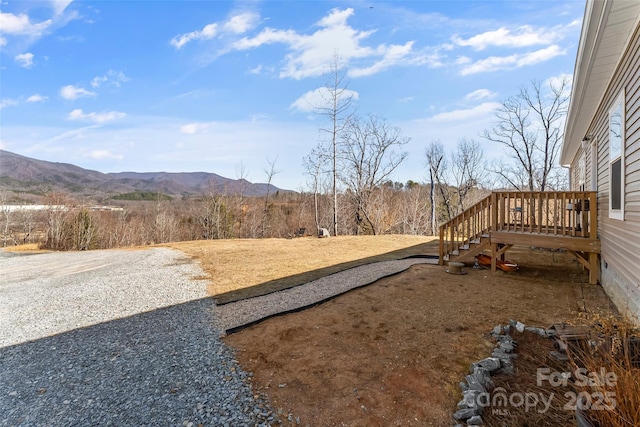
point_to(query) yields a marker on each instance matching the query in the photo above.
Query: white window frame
(613, 157)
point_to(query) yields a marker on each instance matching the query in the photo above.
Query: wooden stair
(554, 220)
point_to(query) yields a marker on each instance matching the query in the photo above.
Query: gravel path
(132, 338)
(237, 314)
(134, 344)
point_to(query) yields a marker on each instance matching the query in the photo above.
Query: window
(582, 172)
(616, 159)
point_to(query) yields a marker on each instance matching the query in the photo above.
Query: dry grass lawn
(236, 266)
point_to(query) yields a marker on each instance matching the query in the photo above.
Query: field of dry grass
(29, 247)
(236, 266)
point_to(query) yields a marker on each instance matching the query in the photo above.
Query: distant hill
(20, 174)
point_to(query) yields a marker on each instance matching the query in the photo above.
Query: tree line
(350, 188)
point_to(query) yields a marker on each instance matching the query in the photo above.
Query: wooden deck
(552, 220)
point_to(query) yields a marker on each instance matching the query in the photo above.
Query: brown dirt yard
(393, 352)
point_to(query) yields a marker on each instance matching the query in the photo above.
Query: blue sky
(216, 86)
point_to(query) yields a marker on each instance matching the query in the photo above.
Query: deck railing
(562, 213)
(467, 227)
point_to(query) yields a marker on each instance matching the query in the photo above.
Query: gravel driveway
(131, 338)
(115, 338)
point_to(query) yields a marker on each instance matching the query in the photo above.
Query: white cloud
(319, 98)
(103, 154)
(465, 114)
(241, 23)
(71, 92)
(523, 36)
(392, 56)
(237, 24)
(479, 94)
(21, 25)
(193, 128)
(111, 78)
(256, 70)
(8, 102)
(25, 59)
(309, 55)
(59, 6)
(267, 36)
(36, 98)
(208, 32)
(107, 116)
(556, 81)
(495, 63)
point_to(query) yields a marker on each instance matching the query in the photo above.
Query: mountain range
(24, 175)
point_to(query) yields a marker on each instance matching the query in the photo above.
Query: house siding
(620, 240)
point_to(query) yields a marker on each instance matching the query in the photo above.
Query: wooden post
(441, 259)
(493, 207)
(594, 268)
(494, 251)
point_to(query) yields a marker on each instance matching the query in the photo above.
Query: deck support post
(494, 255)
(594, 268)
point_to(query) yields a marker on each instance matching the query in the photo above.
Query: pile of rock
(477, 387)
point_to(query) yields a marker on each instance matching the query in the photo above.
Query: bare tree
(241, 177)
(313, 166)
(336, 105)
(415, 209)
(468, 169)
(437, 164)
(368, 151)
(529, 126)
(271, 171)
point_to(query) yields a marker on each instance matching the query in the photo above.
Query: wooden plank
(546, 241)
(503, 250)
(494, 211)
(593, 215)
(494, 264)
(441, 249)
(594, 268)
(539, 197)
(580, 258)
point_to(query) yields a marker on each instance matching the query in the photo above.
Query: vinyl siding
(620, 239)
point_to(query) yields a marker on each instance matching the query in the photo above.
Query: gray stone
(491, 364)
(465, 414)
(507, 367)
(483, 376)
(476, 420)
(497, 353)
(506, 346)
(470, 397)
(539, 331)
(519, 327)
